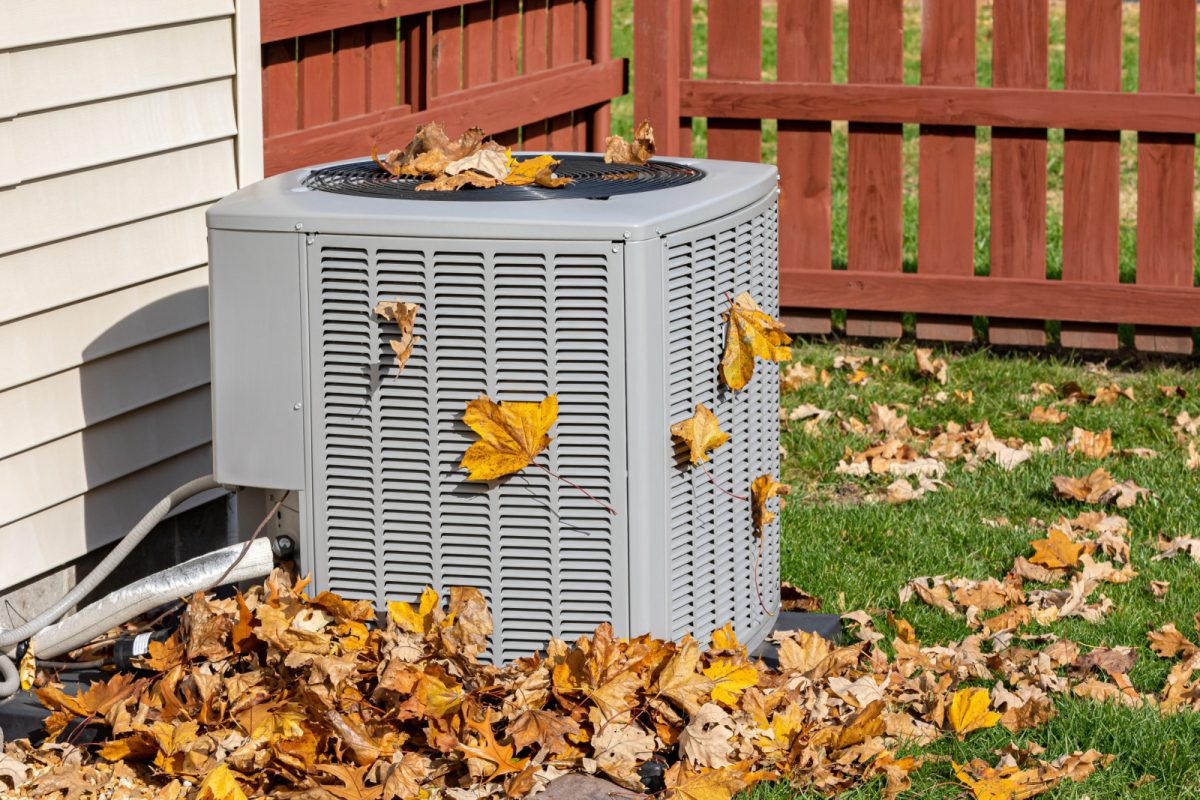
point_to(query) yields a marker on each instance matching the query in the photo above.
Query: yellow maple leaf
(721, 783)
(750, 332)
(730, 679)
(1056, 551)
(539, 170)
(763, 489)
(969, 711)
(417, 620)
(702, 432)
(441, 699)
(511, 435)
(219, 784)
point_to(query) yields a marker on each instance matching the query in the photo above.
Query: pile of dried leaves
(447, 165)
(279, 693)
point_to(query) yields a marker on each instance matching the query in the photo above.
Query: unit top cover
(606, 201)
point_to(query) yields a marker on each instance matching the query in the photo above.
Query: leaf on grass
(1056, 551)
(701, 432)
(1048, 414)
(1169, 642)
(970, 711)
(721, 783)
(511, 435)
(750, 333)
(929, 366)
(637, 152)
(763, 489)
(1089, 444)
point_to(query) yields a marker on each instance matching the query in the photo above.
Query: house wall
(120, 122)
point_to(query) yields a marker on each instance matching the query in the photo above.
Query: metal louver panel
(391, 509)
(712, 547)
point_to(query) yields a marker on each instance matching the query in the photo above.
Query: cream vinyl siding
(120, 123)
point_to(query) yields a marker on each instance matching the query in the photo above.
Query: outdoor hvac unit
(608, 293)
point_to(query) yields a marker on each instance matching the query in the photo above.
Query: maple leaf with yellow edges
(721, 783)
(488, 749)
(511, 435)
(969, 711)
(763, 489)
(730, 679)
(538, 170)
(701, 432)
(1056, 551)
(418, 620)
(750, 332)
(680, 681)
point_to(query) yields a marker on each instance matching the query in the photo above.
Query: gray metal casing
(615, 305)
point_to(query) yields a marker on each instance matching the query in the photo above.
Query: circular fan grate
(593, 180)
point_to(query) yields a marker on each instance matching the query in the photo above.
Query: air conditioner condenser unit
(608, 293)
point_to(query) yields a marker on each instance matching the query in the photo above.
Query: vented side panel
(392, 510)
(712, 546)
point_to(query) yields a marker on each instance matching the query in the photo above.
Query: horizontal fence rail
(944, 292)
(341, 77)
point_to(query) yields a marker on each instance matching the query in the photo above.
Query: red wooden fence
(1017, 296)
(340, 76)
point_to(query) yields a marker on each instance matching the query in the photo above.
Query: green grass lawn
(857, 555)
(854, 554)
(623, 109)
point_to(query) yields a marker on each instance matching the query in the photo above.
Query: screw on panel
(616, 249)
(299, 226)
(628, 234)
(296, 407)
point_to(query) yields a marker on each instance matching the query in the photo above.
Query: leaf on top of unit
(637, 152)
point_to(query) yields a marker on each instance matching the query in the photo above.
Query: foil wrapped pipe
(195, 575)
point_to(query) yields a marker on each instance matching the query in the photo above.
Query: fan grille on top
(593, 180)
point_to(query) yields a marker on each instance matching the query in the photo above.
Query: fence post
(1020, 59)
(1092, 165)
(805, 155)
(875, 180)
(1166, 165)
(946, 167)
(657, 42)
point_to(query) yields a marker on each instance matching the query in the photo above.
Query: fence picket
(560, 131)
(281, 90)
(1166, 165)
(445, 59)
(1018, 205)
(477, 40)
(599, 34)
(874, 234)
(805, 154)
(506, 52)
(1091, 165)
(735, 51)
(316, 79)
(946, 167)
(350, 71)
(382, 73)
(414, 39)
(536, 45)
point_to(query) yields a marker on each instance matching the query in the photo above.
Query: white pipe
(124, 604)
(9, 682)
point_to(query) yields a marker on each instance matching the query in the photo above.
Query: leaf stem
(758, 591)
(713, 480)
(588, 494)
